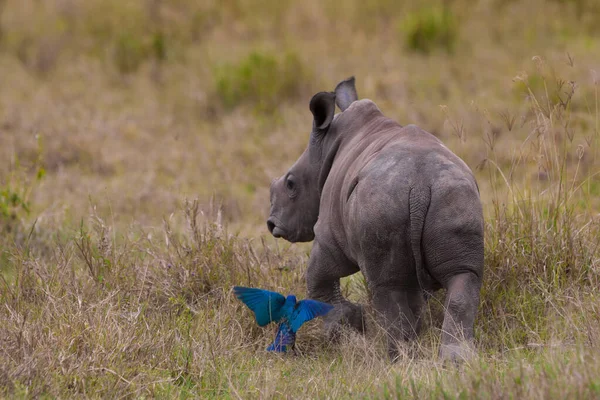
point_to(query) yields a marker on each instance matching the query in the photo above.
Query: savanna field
(138, 140)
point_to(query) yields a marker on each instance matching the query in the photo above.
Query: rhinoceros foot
(457, 352)
(342, 316)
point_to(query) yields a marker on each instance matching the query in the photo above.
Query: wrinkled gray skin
(392, 202)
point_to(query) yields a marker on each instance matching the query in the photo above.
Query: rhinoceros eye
(290, 184)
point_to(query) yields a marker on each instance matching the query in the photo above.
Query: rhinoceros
(390, 201)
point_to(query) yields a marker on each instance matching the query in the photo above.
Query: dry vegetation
(113, 113)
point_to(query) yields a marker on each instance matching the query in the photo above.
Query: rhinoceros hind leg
(399, 312)
(461, 303)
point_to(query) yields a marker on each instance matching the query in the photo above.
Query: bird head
(291, 299)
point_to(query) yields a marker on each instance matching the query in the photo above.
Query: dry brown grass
(111, 115)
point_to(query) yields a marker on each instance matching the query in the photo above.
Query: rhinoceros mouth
(276, 228)
(278, 232)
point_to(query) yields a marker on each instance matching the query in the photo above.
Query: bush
(430, 29)
(581, 6)
(12, 204)
(371, 15)
(15, 204)
(130, 53)
(261, 79)
(2, 5)
(15, 191)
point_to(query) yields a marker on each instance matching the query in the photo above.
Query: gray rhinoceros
(393, 202)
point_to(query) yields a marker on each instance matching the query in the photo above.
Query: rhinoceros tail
(418, 204)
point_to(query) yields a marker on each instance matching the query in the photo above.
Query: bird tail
(285, 337)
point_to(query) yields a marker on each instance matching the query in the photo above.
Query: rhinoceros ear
(345, 93)
(322, 106)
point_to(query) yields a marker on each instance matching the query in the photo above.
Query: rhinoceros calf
(393, 202)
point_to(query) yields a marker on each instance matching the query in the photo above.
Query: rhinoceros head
(295, 196)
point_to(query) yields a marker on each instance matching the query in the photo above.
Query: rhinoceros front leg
(323, 282)
(462, 300)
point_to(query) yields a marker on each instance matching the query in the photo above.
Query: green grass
(115, 115)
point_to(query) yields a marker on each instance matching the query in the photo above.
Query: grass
(113, 114)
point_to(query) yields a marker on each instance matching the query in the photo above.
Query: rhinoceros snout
(270, 225)
(273, 228)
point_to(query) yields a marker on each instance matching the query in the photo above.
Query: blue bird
(274, 307)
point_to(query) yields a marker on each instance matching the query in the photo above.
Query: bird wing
(266, 305)
(307, 309)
